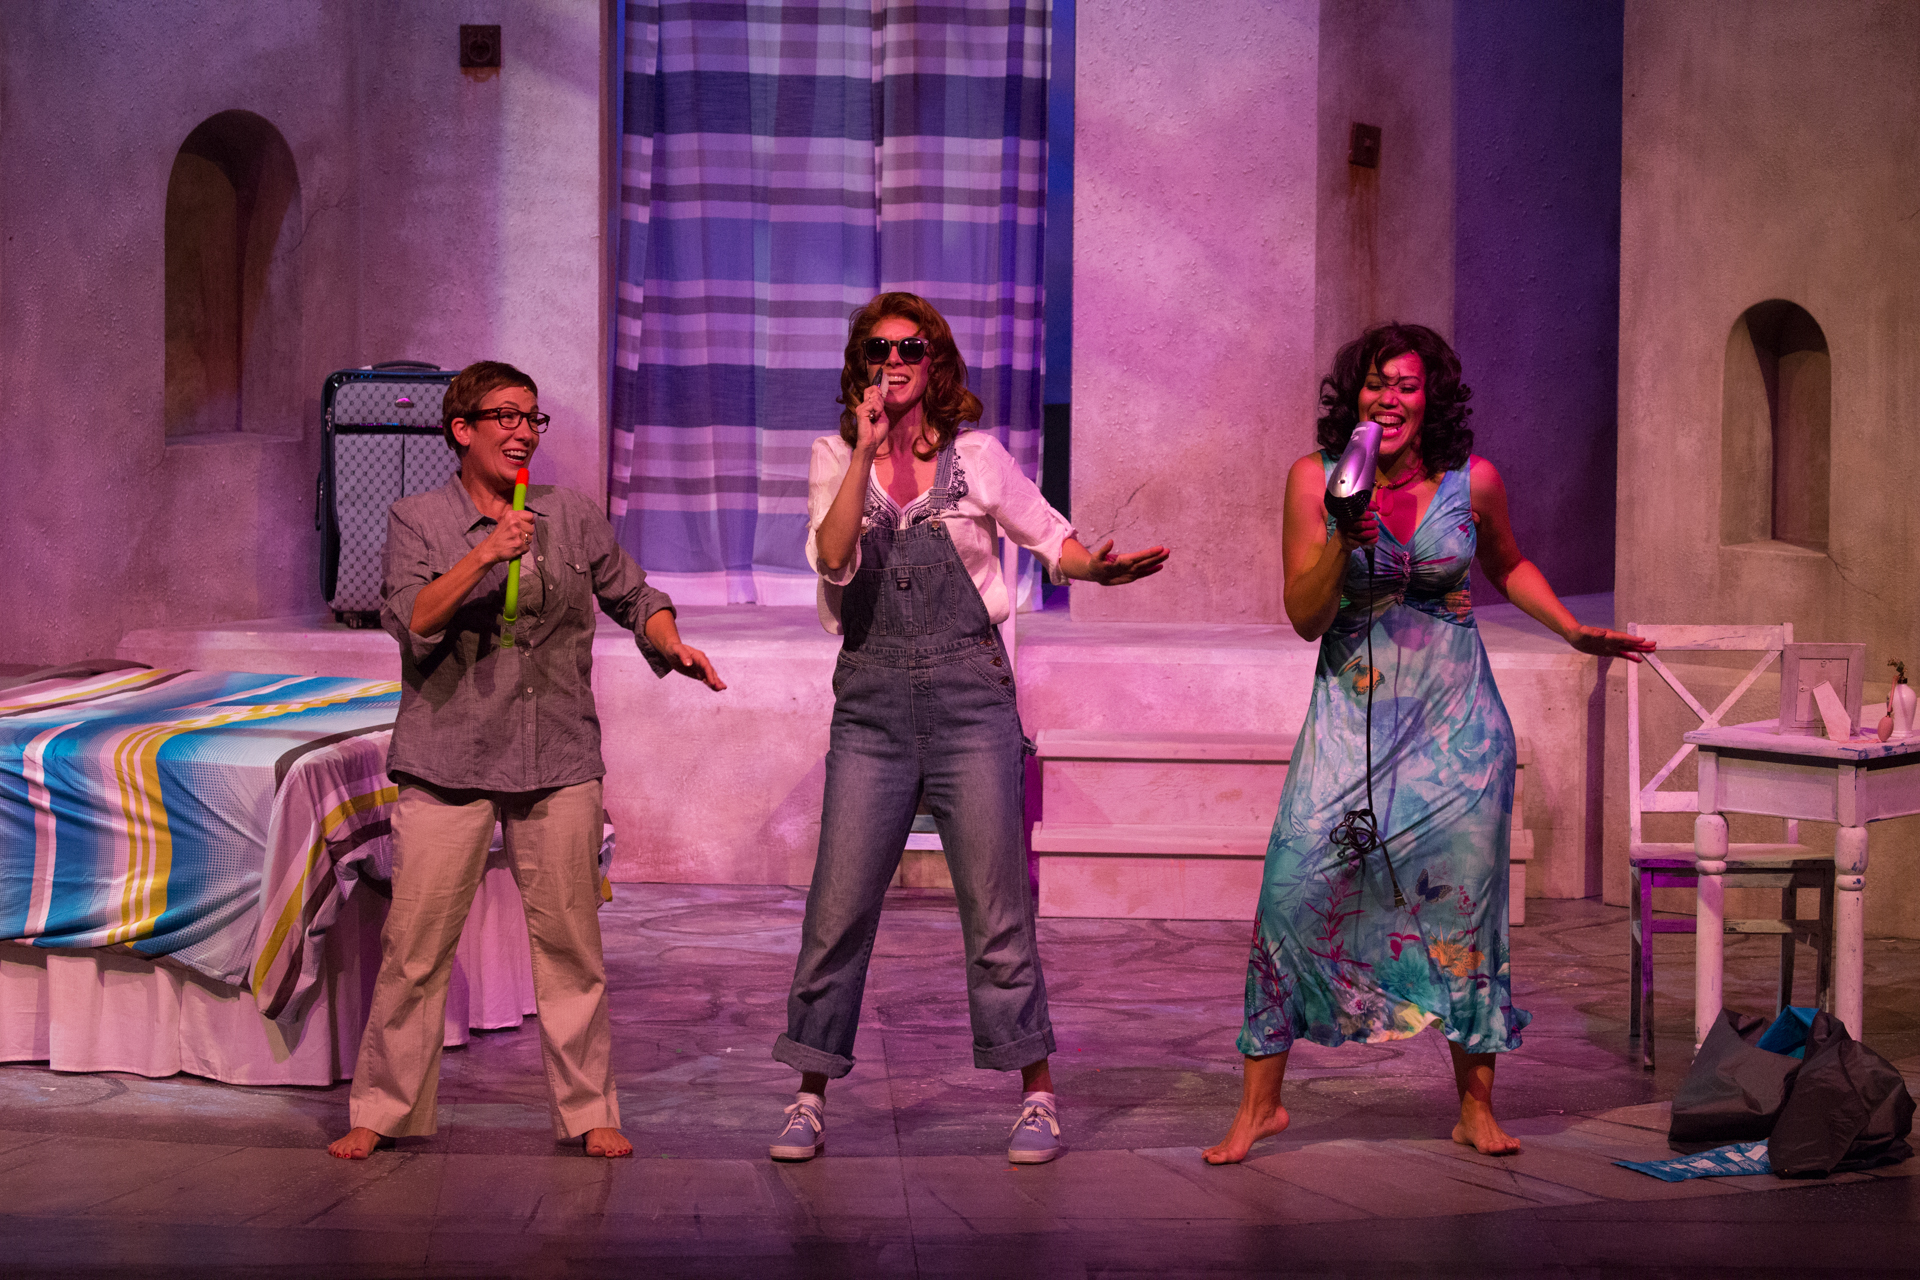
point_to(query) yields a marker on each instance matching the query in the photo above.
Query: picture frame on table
(1803, 667)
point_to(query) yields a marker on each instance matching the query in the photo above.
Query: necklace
(1412, 478)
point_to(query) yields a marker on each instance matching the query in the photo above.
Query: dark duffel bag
(1849, 1109)
(1734, 1091)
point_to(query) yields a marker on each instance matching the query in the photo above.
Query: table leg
(1709, 921)
(1849, 927)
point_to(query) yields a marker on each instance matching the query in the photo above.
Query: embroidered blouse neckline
(948, 487)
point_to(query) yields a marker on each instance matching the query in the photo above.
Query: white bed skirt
(91, 1011)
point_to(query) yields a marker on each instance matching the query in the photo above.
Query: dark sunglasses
(912, 350)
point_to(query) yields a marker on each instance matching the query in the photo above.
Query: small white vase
(1901, 702)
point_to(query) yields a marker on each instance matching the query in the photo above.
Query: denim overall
(923, 706)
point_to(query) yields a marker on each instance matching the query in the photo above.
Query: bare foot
(1479, 1130)
(610, 1143)
(1248, 1128)
(357, 1145)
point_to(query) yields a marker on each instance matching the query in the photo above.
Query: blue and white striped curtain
(780, 164)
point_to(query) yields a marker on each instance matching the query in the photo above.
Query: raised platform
(1175, 826)
(1155, 825)
(725, 788)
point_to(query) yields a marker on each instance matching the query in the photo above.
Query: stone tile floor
(111, 1174)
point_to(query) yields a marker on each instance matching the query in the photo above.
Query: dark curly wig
(948, 403)
(1445, 438)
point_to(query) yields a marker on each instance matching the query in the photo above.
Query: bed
(192, 876)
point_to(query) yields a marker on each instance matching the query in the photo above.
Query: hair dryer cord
(1358, 833)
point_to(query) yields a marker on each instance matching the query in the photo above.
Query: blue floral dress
(1334, 958)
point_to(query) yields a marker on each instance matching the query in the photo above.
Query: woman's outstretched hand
(689, 661)
(1602, 643)
(1109, 570)
(664, 636)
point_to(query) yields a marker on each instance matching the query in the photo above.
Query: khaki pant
(440, 840)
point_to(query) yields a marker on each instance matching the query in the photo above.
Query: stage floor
(132, 1177)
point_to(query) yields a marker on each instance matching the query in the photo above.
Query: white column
(1709, 922)
(1849, 926)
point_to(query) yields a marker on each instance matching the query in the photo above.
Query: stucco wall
(1385, 234)
(1193, 235)
(1760, 162)
(1536, 267)
(444, 216)
(1493, 217)
(1768, 153)
(485, 208)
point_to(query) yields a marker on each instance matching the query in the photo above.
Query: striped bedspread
(196, 815)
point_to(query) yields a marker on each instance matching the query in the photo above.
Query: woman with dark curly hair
(1355, 940)
(902, 507)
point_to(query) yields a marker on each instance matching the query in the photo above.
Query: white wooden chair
(1789, 866)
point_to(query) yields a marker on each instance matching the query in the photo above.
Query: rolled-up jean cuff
(805, 1058)
(1010, 1057)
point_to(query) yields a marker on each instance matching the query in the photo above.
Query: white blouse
(990, 491)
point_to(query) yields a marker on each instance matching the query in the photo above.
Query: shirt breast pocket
(574, 582)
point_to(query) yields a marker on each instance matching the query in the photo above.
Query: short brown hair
(474, 384)
(948, 403)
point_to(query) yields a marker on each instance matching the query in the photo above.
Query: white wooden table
(1748, 768)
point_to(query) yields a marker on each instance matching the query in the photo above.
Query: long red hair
(948, 403)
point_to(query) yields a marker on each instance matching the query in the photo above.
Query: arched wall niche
(1775, 428)
(232, 295)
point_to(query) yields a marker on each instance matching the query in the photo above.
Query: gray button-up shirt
(475, 713)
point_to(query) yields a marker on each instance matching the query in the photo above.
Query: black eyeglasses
(509, 419)
(912, 350)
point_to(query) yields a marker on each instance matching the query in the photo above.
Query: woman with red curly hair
(901, 513)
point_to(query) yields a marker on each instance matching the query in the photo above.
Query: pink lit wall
(441, 216)
(1768, 154)
(1225, 248)
(1193, 344)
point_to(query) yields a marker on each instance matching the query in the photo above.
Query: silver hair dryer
(1350, 487)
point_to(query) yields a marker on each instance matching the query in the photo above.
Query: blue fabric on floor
(1788, 1034)
(1735, 1160)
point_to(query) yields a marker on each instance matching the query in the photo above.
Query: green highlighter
(512, 612)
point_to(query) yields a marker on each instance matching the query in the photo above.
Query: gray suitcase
(381, 441)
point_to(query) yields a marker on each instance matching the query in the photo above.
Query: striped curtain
(781, 163)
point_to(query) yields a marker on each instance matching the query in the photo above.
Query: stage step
(1161, 779)
(1175, 826)
(1079, 744)
(1151, 840)
(1161, 826)
(1169, 826)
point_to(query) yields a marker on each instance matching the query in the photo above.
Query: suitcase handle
(405, 364)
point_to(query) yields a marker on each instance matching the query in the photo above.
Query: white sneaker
(1036, 1134)
(805, 1133)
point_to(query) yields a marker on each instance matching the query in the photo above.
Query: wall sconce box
(1803, 666)
(1363, 146)
(479, 45)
